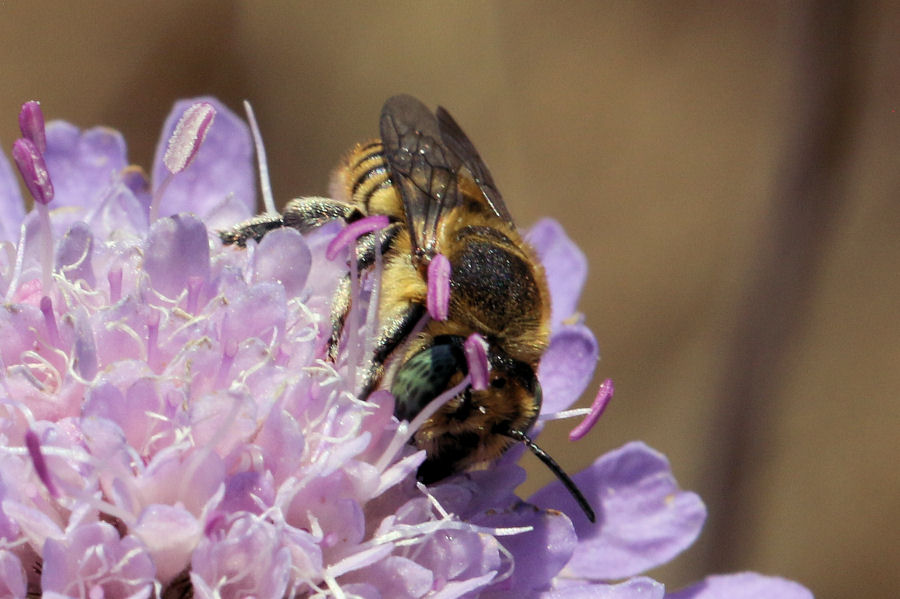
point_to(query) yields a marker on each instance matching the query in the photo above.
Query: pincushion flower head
(170, 427)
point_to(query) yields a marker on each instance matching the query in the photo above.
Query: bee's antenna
(556, 469)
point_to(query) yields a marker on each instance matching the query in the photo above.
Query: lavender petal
(643, 518)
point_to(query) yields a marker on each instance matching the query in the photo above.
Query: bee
(428, 179)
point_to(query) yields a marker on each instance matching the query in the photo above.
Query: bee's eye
(425, 376)
(498, 383)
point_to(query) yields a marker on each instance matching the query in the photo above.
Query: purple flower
(169, 423)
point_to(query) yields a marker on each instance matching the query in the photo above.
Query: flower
(169, 425)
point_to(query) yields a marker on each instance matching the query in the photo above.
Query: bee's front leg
(254, 228)
(303, 214)
(306, 214)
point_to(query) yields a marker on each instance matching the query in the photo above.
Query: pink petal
(170, 534)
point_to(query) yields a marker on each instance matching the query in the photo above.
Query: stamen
(34, 172)
(438, 298)
(215, 520)
(573, 413)
(604, 394)
(228, 355)
(33, 445)
(265, 185)
(354, 230)
(475, 348)
(194, 285)
(188, 136)
(50, 320)
(114, 276)
(371, 318)
(31, 165)
(152, 338)
(31, 124)
(13, 284)
(184, 144)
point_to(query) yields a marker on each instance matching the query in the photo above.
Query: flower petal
(92, 556)
(250, 559)
(173, 391)
(121, 211)
(260, 313)
(12, 208)
(283, 257)
(398, 577)
(745, 585)
(82, 165)
(170, 533)
(74, 253)
(552, 532)
(12, 576)
(222, 167)
(565, 266)
(635, 588)
(643, 519)
(567, 366)
(177, 249)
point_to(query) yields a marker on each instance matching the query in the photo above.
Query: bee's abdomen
(368, 178)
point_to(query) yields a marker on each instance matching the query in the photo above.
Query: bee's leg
(303, 214)
(367, 246)
(306, 214)
(340, 307)
(254, 228)
(396, 329)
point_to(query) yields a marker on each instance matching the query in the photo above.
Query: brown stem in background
(808, 192)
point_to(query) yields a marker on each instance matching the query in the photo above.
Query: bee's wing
(454, 138)
(422, 166)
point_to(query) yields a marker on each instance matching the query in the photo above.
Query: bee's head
(474, 426)
(512, 386)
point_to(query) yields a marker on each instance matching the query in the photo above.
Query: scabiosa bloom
(169, 426)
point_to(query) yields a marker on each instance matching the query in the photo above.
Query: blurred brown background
(730, 169)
